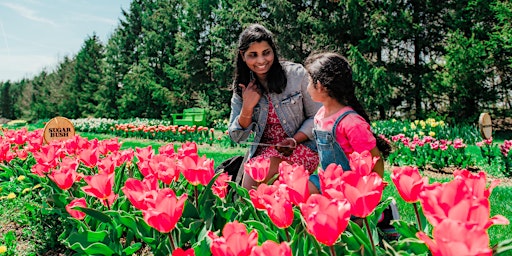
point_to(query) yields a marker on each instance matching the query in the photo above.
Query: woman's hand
(251, 95)
(286, 146)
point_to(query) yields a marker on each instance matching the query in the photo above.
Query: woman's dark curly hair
(333, 71)
(276, 77)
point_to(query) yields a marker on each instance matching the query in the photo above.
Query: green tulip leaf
(93, 249)
(95, 214)
(130, 250)
(264, 232)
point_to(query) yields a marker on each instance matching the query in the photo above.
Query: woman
(270, 99)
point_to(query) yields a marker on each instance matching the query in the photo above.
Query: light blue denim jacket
(294, 108)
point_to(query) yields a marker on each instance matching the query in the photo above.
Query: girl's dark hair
(333, 71)
(276, 77)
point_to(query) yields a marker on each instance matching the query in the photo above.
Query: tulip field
(146, 187)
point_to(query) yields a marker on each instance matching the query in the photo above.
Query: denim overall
(329, 150)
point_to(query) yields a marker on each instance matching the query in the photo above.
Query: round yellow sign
(58, 128)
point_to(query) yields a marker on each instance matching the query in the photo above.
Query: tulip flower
(165, 168)
(166, 211)
(363, 162)
(260, 192)
(279, 208)
(144, 154)
(296, 178)
(167, 149)
(89, 156)
(453, 238)
(408, 182)
(331, 180)
(140, 193)
(181, 252)
(325, 218)
(257, 168)
(66, 176)
(197, 170)
(271, 248)
(234, 240)
(363, 192)
(100, 186)
(79, 215)
(220, 187)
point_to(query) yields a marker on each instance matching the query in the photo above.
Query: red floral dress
(273, 134)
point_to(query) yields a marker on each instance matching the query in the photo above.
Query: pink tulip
(296, 178)
(271, 248)
(363, 192)
(141, 193)
(144, 154)
(181, 252)
(76, 213)
(66, 176)
(89, 156)
(363, 162)
(234, 240)
(100, 186)
(279, 208)
(408, 182)
(197, 170)
(108, 146)
(331, 180)
(165, 168)
(220, 187)
(260, 192)
(453, 238)
(167, 149)
(325, 218)
(257, 168)
(166, 212)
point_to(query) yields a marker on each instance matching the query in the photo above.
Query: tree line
(411, 59)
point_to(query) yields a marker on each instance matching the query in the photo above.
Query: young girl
(341, 124)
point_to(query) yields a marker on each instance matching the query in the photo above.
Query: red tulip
(257, 168)
(234, 240)
(47, 156)
(181, 252)
(109, 145)
(453, 238)
(271, 248)
(187, 149)
(75, 213)
(140, 193)
(144, 154)
(167, 149)
(363, 192)
(66, 176)
(166, 211)
(331, 180)
(89, 156)
(100, 186)
(197, 170)
(107, 164)
(165, 168)
(220, 187)
(296, 178)
(279, 208)
(325, 218)
(408, 182)
(363, 162)
(261, 191)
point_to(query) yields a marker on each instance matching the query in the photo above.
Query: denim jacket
(294, 108)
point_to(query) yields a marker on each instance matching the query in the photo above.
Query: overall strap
(338, 120)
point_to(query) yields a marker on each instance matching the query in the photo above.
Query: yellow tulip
(3, 249)
(404, 129)
(25, 190)
(432, 134)
(21, 177)
(37, 186)
(11, 196)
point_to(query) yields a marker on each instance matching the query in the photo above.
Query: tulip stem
(196, 195)
(287, 234)
(369, 233)
(333, 252)
(417, 215)
(172, 242)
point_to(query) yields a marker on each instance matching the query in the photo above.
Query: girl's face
(259, 57)
(317, 91)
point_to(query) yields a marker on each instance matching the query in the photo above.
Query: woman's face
(259, 57)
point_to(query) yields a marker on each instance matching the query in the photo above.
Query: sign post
(58, 128)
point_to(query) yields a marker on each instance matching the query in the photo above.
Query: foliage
(410, 58)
